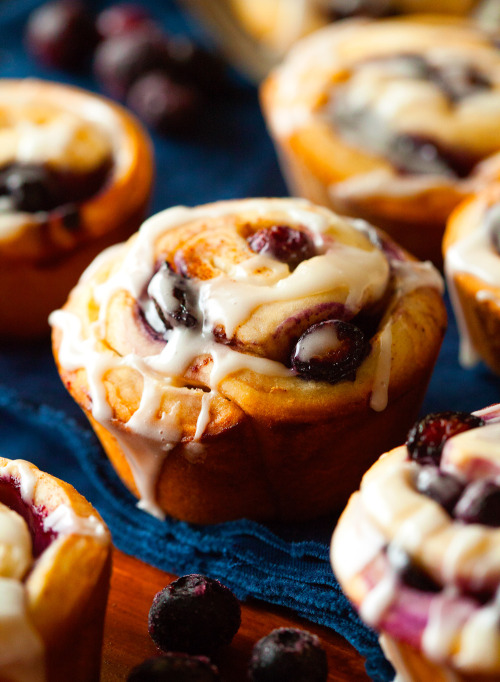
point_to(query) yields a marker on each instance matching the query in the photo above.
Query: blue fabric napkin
(285, 564)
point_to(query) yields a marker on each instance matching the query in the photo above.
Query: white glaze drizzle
(380, 391)
(378, 599)
(393, 98)
(63, 520)
(356, 275)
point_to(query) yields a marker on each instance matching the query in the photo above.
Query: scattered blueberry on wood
(175, 667)
(288, 654)
(194, 614)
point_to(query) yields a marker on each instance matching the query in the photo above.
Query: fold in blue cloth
(285, 564)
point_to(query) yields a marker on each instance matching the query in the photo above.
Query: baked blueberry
(172, 298)
(194, 614)
(61, 34)
(409, 572)
(288, 655)
(120, 60)
(284, 243)
(330, 351)
(31, 188)
(480, 503)
(427, 437)
(443, 488)
(174, 667)
(164, 104)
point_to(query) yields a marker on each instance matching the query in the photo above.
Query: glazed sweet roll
(245, 358)
(55, 565)
(258, 33)
(472, 264)
(417, 549)
(394, 121)
(75, 177)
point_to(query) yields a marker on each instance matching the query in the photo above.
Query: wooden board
(127, 643)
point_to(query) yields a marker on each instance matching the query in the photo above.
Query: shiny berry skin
(31, 188)
(330, 351)
(480, 503)
(195, 615)
(174, 667)
(61, 34)
(284, 243)
(288, 655)
(409, 572)
(122, 18)
(163, 104)
(427, 437)
(443, 488)
(120, 60)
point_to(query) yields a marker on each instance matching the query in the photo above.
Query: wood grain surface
(127, 643)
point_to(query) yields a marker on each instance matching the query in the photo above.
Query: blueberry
(409, 572)
(31, 188)
(120, 60)
(443, 488)
(427, 437)
(284, 243)
(288, 655)
(163, 104)
(61, 34)
(194, 614)
(123, 18)
(330, 351)
(174, 667)
(480, 503)
(172, 298)
(422, 155)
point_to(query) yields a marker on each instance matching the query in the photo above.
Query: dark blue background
(230, 156)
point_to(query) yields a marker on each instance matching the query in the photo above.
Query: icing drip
(348, 265)
(379, 397)
(379, 599)
(64, 521)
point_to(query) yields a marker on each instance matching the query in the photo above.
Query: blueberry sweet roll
(54, 578)
(393, 120)
(75, 177)
(258, 33)
(245, 358)
(417, 549)
(471, 250)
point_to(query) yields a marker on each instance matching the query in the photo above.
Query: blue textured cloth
(284, 564)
